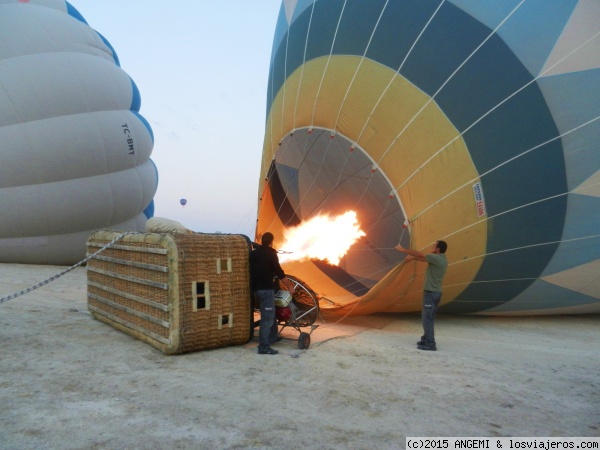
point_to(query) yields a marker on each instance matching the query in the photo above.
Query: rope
(362, 59)
(312, 119)
(64, 272)
(303, 60)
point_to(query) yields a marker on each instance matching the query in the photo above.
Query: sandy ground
(68, 381)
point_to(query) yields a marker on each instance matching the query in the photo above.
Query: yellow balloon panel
(268, 218)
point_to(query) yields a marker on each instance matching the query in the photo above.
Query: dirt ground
(68, 381)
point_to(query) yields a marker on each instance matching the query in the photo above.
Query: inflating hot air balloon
(475, 122)
(74, 151)
(183, 202)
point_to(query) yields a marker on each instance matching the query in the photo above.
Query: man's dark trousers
(431, 301)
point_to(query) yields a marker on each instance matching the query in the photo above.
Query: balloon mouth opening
(337, 213)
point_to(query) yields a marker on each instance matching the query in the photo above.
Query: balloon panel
(49, 208)
(60, 249)
(114, 141)
(29, 33)
(76, 152)
(483, 138)
(90, 85)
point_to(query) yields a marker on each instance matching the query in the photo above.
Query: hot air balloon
(74, 150)
(183, 202)
(475, 122)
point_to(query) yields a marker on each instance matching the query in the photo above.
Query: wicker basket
(178, 292)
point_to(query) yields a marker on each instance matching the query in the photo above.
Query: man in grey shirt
(434, 276)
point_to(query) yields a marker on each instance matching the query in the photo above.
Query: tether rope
(64, 272)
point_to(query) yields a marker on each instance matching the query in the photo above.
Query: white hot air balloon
(74, 150)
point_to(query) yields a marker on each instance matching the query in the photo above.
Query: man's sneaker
(421, 342)
(267, 351)
(432, 348)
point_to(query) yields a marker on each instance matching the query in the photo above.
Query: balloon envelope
(475, 121)
(75, 151)
(183, 202)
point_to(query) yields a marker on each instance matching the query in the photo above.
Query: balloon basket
(177, 292)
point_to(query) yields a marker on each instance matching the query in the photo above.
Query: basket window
(224, 265)
(201, 295)
(225, 321)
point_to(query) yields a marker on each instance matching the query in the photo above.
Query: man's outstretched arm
(412, 254)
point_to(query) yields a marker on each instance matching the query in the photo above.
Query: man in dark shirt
(264, 268)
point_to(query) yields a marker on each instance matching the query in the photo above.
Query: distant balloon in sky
(476, 122)
(183, 202)
(74, 151)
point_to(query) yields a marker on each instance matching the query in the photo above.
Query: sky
(202, 69)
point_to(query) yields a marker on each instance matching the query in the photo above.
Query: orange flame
(322, 237)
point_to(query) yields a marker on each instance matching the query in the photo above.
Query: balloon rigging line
(398, 71)
(540, 244)
(307, 190)
(359, 65)
(346, 95)
(332, 190)
(303, 60)
(423, 211)
(373, 224)
(576, 49)
(285, 75)
(389, 267)
(486, 254)
(526, 205)
(304, 159)
(369, 276)
(509, 250)
(312, 119)
(591, 236)
(542, 144)
(269, 125)
(338, 183)
(252, 212)
(297, 96)
(428, 102)
(319, 167)
(270, 174)
(431, 99)
(304, 156)
(383, 94)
